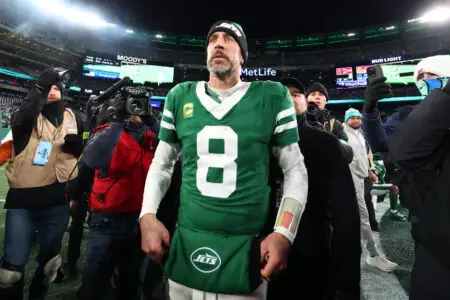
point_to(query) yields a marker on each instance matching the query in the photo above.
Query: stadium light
(86, 18)
(436, 15)
(159, 36)
(351, 34)
(50, 5)
(129, 31)
(413, 20)
(73, 14)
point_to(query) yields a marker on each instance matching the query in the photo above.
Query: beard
(220, 70)
(223, 69)
(355, 126)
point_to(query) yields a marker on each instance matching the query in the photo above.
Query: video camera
(122, 100)
(316, 115)
(64, 75)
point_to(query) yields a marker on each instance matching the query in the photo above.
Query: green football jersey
(380, 170)
(225, 152)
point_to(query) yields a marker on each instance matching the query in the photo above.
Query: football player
(225, 129)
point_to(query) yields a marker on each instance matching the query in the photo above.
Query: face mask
(426, 86)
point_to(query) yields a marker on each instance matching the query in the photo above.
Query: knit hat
(439, 65)
(350, 113)
(60, 86)
(317, 87)
(233, 29)
(294, 82)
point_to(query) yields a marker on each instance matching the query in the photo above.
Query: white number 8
(225, 161)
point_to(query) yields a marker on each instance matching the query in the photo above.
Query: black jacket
(22, 122)
(327, 248)
(421, 143)
(338, 131)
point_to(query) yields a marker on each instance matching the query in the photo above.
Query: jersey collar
(219, 110)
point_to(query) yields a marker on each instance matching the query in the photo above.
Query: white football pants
(181, 292)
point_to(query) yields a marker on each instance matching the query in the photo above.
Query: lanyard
(55, 134)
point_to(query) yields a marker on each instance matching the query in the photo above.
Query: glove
(376, 90)
(116, 109)
(447, 88)
(73, 144)
(47, 78)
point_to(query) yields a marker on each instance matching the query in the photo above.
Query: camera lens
(136, 107)
(66, 77)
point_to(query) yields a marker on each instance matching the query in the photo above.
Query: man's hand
(373, 178)
(73, 206)
(47, 78)
(155, 237)
(274, 254)
(73, 144)
(375, 91)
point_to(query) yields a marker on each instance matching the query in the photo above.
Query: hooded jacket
(360, 163)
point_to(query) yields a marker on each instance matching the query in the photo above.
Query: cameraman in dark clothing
(421, 143)
(79, 197)
(327, 248)
(120, 153)
(47, 141)
(318, 94)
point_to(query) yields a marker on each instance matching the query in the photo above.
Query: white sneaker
(381, 263)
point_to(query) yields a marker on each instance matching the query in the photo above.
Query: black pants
(368, 199)
(113, 242)
(310, 276)
(76, 233)
(429, 278)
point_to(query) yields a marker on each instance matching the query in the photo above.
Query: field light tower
(436, 15)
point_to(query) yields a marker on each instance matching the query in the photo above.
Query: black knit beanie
(233, 29)
(294, 82)
(317, 87)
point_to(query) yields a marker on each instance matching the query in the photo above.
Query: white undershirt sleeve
(159, 176)
(295, 188)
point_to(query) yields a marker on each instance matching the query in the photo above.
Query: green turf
(399, 246)
(63, 291)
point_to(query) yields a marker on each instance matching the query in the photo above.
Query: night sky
(260, 19)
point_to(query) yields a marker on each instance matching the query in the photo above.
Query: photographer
(421, 143)
(120, 153)
(47, 141)
(318, 94)
(413, 184)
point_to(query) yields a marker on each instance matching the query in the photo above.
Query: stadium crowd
(238, 190)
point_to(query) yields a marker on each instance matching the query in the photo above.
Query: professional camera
(64, 75)
(130, 100)
(312, 108)
(138, 100)
(121, 101)
(315, 113)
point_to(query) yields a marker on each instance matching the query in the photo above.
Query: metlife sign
(386, 60)
(259, 72)
(130, 59)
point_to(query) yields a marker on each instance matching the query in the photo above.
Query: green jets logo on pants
(205, 260)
